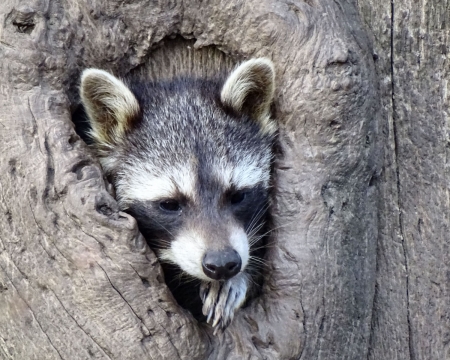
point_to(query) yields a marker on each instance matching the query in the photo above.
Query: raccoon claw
(221, 300)
(208, 294)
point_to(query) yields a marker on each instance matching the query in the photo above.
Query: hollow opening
(172, 60)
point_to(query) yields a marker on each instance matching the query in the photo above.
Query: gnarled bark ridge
(77, 279)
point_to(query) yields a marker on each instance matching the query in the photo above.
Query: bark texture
(77, 280)
(412, 299)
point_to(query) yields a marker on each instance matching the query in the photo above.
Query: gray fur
(196, 144)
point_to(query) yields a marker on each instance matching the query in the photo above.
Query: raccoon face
(200, 219)
(190, 160)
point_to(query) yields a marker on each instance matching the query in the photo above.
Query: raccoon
(190, 160)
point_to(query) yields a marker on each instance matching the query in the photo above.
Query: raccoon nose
(221, 265)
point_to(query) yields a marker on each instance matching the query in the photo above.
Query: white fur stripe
(239, 242)
(246, 174)
(187, 251)
(144, 185)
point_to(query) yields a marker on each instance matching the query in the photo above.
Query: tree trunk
(412, 294)
(358, 265)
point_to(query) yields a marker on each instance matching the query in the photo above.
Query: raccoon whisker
(163, 227)
(255, 229)
(167, 261)
(192, 280)
(266, 233)
(160, 241)
(256, 218)
(283, 225)
(160, 244)
(266, 246)
(251, 227)
(254, 269)
(177, 282)
(258, 266)
(186, 278)
(177, 279)
(258, 260)
(167, 243)
(189, 279)
(253, 240)
(274, 229)
(256, 238)
(255, 272)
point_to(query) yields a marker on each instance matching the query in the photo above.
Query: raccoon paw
(222, 300)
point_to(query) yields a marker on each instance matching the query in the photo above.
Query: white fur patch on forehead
(144, 184)
(248, 173)
(187, 251)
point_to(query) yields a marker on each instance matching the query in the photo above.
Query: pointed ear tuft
(249, 90)
(110, 105)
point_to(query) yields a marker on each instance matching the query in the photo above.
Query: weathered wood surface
(77, 281)
(412, 298)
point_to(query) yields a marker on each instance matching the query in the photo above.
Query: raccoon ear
(249, 89)
(109, 104)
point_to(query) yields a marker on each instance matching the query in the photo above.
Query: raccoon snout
(221, 265)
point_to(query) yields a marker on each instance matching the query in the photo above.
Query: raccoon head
(190, 160)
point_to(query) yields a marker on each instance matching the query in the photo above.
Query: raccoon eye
(170, 205)
(237, 197)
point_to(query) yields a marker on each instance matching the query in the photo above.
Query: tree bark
(412, 298)
(358, 265)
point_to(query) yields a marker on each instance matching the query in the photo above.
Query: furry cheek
(239, 242)
(187, 251)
